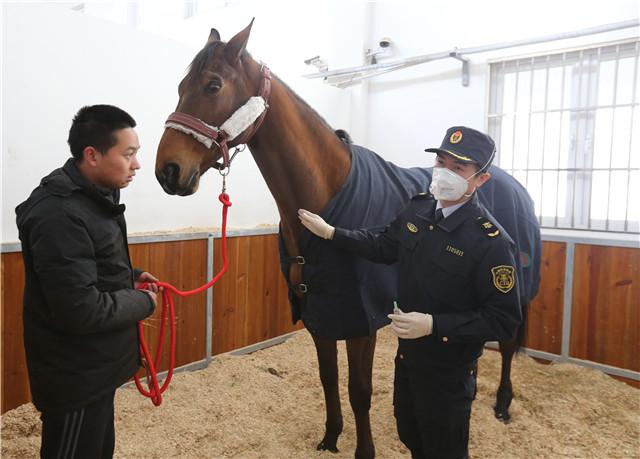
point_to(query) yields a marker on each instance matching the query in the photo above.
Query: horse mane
(200, 60)
(344, 136)
(305, 104)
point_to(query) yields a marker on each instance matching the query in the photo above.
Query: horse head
(216, 108)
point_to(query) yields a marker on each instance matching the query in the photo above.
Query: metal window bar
(544, 134)
(497, 76)
(590, 120)
(582, 109)
(613, 127)
(189, 9)
(583, 169)
(515, 118)
(531, 78)
(576, 137)
(634, 97)
(562, 86)
(586, 108)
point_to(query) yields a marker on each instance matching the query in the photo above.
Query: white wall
(56, 60)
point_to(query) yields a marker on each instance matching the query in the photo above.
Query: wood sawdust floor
(270, 405)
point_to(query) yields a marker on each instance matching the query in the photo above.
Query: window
(567, 126)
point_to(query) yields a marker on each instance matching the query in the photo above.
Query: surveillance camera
(385, 42)
(312, 60)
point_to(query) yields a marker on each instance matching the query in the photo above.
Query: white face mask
(447, 185)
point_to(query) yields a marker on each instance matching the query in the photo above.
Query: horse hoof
(324, 446)
(369, 454)
(503, 416)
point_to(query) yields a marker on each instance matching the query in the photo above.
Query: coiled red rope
(154, 391)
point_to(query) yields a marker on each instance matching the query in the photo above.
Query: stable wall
(587, 307)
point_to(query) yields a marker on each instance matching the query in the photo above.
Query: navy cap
(468, 145)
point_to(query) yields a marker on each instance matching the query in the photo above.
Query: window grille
(567, 126)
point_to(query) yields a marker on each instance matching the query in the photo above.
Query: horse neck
(301, 159)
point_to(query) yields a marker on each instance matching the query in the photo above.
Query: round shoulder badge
(411, 227)
(455, 137)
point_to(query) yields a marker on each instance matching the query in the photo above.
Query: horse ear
(213, 36)
(237, 44)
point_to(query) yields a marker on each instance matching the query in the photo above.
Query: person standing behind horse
(81, 306)
(457, 289)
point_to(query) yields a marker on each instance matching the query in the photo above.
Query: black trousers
(433, 410)
(86, 432)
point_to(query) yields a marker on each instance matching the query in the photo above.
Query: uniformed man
(457, 289)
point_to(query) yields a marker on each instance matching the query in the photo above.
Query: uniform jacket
(460, 270)
(80, 307)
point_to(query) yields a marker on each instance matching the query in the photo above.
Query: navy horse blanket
(350, 297)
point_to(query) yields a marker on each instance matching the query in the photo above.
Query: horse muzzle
(171, 179)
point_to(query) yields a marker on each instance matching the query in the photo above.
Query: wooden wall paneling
(273, 303)
(606, 306)
(257, 279)
(250, 301)
(241, 285)
(184, 265)
(544, 324)
(224, 301)
(276, 312)
(15, 379)
(277, 293)
(190, 268)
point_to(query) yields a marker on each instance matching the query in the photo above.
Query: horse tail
(521, 333)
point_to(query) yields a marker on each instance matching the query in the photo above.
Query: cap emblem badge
(455, 137)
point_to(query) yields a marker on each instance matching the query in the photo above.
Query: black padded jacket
(80, 305)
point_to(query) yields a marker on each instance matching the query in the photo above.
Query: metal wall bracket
(465, 66)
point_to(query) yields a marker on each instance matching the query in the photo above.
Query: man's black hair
(95, 126)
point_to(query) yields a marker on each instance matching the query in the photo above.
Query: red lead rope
(154, 391)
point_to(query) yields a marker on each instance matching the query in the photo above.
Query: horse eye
(214, 86)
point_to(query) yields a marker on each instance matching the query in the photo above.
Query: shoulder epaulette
(488, 227)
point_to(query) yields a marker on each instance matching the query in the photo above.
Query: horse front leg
(360, 355)
(328, 364)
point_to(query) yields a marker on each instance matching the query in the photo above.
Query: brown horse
(304, 165)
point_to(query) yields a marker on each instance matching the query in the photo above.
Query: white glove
(411, 325)
(316, 224)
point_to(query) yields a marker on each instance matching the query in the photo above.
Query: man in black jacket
(457, 288)
(81, 306)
